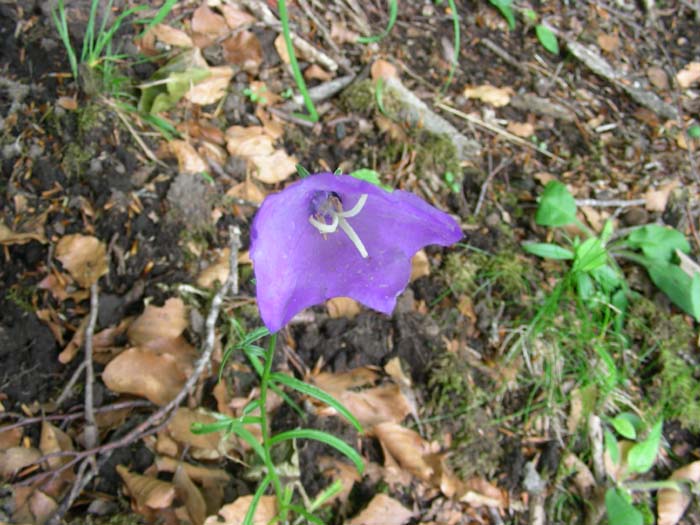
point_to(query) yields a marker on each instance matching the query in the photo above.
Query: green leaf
(393, 13)
(302, 171)
(694, 132)
(624, 426)
(250, 515)
(607, 277)
(620, 510)
(641, 456)
(612, 447)
(317, 393)
(324, 437)
(680, 288)
(548, 250)
(506, 11)
(372, 177)
(584, 286)
(530, 15)
(658, 242)
(608, 228)
(547, 39)
(557, 206)
(590, 255)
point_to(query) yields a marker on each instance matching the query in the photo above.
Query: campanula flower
(333, 235)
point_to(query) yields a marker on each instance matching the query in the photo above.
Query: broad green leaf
(620, 510)
(612, 447)
(324, 437)
(548, 250)
(315, 392)
(590, 255)
(694, 132)
(608, 228)
(658, 242)
(607, 277)
(504, 7)
(641, 456)
(624, 426)
(372, 177)
(584, 286)
(547, 39)
(557, 206)
(680, 288)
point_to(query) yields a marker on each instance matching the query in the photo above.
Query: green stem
(264, 381)
(298, 77)
(455, 58)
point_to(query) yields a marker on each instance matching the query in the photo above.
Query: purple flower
(334, 235)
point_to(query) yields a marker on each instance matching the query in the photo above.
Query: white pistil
(339, 220)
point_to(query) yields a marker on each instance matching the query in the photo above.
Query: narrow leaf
(548, 250)
(323, 437)
(547, 39)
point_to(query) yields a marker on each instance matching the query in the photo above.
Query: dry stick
(69, 386)
(326, 35)
(612, 203)
(91, 427)
(161, 417)
(484, 187)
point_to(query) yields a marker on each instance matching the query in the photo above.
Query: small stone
(493, 220)
(635, 216)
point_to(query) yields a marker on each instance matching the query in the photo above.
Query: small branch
(91, 427)
(484, 187)
(66, 392)
(612, 203)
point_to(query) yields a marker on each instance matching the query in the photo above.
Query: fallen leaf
(382, 510)
(689, 75)
(205, 446)
(69, 103)
(53, 439)
(159, 322)
(521, 129)
(248, 191)
(42, 506)
(340, 34)
(672, 504)
(157, 377)
(372, 406)
(211, 89)
(343, 307)
(188, 159)
(339, 470)
(234, 513)
(191, 495)
(207, 26)
(76, 342)
(316, 72)
(243, 49)
(334, 383)
(658, 77)
(420, 266)
(383, 69)
(146, 490)
(236, 17)
(31, 229)
(84, 256)
(478, 492)
(406, 447)
(198, 473)
(14, 459)
(583, 477)
(217, 271)
(489, 94)
(171, 36)
(656, 200)
(10, 437)
(274, 168)
(608, 42)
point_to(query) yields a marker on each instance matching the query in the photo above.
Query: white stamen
(357, 208)
(323, 227)
(352, 235)
(339, 219)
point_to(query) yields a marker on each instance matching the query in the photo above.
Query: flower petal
(296, 266)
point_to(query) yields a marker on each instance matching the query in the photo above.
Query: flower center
(328, 216)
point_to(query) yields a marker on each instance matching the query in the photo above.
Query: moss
(359, 97)
(436, 154)
(669, 339)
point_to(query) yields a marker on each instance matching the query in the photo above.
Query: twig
(162, 415)
(133, 132)
(612, 203)
(484, 187)
(304, 4)
(91, 426)
(66, 392)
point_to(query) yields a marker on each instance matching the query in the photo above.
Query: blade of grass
(393, 13)
(323, 437)
(455, 45)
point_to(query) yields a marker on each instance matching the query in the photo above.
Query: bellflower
(333, 235)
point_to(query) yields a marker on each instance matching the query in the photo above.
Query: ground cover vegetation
(532, 166)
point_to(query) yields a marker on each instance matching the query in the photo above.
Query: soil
(81, 171)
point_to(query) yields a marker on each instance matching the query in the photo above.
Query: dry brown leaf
(205, 446)
(191, 495)
(256, 146)
(157, 377)
(14, 459)
(53, 440)
(382, 510)
(316, 72)
(390, 127)
(31, 230)
(234, 513)
(618, 471)
(41, 506)
(339, 470)
(406, 447)
(236, 17)
(10, 437)
(420, 266)
(159, 322)
(656, 200)
(340, 34)
(478, 492)
(608, 42)
(188, 159)
(197, 473)
(171, 36)
(207, 26)
(689, 75)
(672, 504)
(274, 168)
(343, 307)
(489, 94)
(146, 490)
(71, 349)
(69, 103)
(334, 383)
(211, 89)
(383, 69)
(84, 256)
(385, 403)
(521, 129)
(217, 271)
(244, 50)
(248, 191)
(658, 77)
(583, 477)
(394, 369)
(595, 217)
